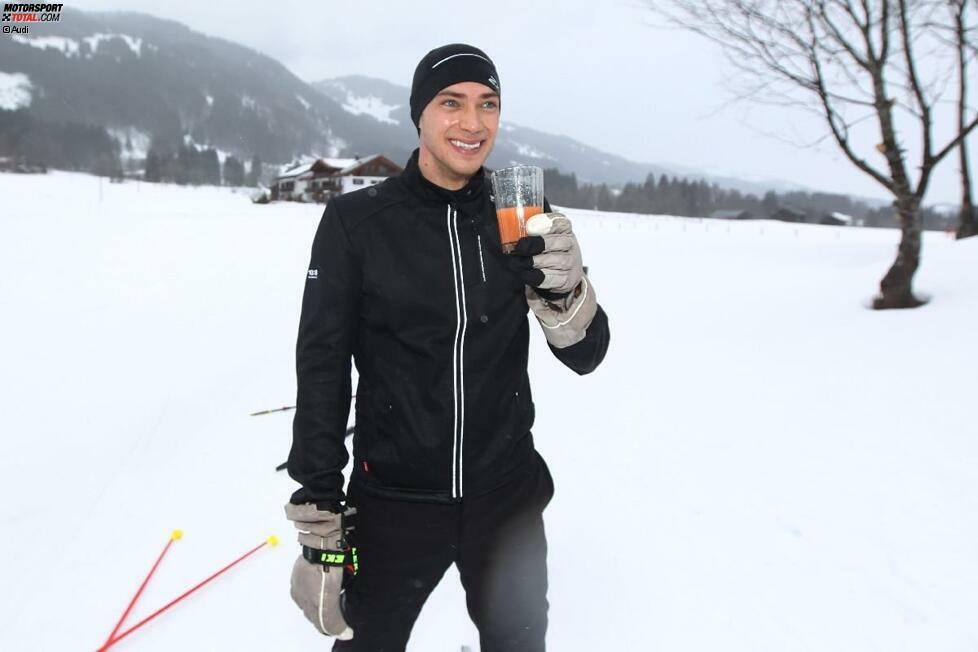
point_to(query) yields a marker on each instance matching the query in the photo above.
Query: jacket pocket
(524, 405)
(375, 426)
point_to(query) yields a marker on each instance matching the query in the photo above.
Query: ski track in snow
(760, 463)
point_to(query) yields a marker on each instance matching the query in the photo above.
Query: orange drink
(512, 223)
(518, 195)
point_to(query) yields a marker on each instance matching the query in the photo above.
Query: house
(786, 214)
(730, 214)
(294, 179)
(10, 164)
(318, 179)
(837, 219)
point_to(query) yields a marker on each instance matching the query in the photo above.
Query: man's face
(458, 130)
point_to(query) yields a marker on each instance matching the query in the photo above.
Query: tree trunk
(896, 287)
(968, 224)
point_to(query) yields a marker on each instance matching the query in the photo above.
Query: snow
(342, 163)
(15, 91)
(297, 168)
(70, 47)
(139, 139)
(134, 42)
(67, 46)
(336, 144)
(303, 101)
(188, 140)
(532, 152)
(304, 165)
(370, 105)
(347, 165)
(209, 99)
(760, 464)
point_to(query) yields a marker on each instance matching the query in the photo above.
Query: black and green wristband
(325, 557)
(332, 557)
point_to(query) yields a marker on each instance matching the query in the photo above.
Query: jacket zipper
(458, 351)
(482, 264)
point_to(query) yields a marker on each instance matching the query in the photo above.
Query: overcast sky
(600, 72)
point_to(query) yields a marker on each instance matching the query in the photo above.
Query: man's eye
(490, 104)
(450, 103)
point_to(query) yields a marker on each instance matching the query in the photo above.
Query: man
(408, 277)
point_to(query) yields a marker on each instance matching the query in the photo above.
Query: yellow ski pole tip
(177, 534)
(273, 540)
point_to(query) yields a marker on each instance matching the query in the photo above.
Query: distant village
(315, 180)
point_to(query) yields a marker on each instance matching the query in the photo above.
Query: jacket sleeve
(328, 327)
(585, 356)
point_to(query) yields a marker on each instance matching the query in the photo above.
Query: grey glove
(549, 255)
(565, 320)
(558, 291)
(316, 587)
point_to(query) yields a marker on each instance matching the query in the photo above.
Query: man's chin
(465, 169)
(470, 165)
(458, 167)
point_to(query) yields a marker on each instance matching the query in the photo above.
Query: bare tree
(849, 61)
(965, 44)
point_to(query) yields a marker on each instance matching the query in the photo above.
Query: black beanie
(447, 65)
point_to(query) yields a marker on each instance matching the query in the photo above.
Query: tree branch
(925, 109)
(969, 127)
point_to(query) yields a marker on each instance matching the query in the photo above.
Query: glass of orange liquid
(518, 194)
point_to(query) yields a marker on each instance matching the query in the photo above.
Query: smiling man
(411, 283)
(457, 131)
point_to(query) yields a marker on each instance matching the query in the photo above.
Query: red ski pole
(281, 409)
(177, 534)
(272, 540)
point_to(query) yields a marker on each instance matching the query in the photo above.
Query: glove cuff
(318, 528)
(565, 322)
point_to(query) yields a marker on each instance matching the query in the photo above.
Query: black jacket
(410, 280)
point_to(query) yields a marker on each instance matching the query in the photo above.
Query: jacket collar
(416, 183)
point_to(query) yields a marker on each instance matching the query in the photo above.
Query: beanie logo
(461, 54)
(495, 84)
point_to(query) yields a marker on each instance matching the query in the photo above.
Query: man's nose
(470, 119)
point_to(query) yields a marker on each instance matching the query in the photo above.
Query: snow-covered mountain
(760, 464)
(388, 103)
(145, 79)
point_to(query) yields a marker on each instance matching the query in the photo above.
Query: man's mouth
(466, 147)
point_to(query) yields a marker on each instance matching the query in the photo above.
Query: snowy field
(760, 464)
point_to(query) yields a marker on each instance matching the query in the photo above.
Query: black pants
(496, 540)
